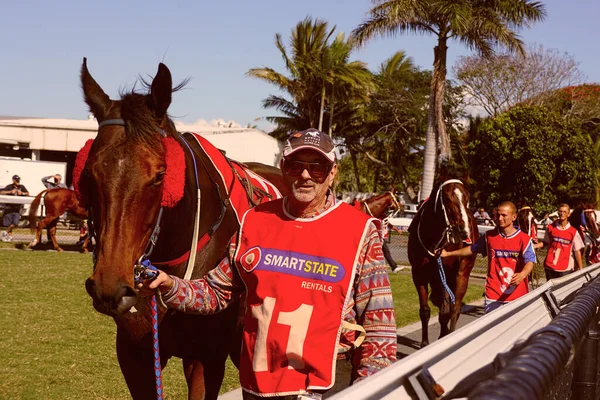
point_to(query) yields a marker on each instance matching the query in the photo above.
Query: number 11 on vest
(297, 320)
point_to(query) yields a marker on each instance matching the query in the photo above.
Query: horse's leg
(424, 310)
(194, 376)
(137, 366)
(86, 243)
(462, 283)
(52, 233)
(38, 233)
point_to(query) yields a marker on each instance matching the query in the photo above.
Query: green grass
(56, 346)
(406, 301)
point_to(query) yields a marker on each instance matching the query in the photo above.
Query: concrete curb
(235, 394)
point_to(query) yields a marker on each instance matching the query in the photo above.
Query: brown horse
(442, 222)
(56, 203)
(125, 181)
(377, 205)
(526, 221)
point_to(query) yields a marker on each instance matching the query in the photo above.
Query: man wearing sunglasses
(319, 308)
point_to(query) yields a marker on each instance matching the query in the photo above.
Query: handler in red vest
(564, 245)
(510, 258)
(315, 293)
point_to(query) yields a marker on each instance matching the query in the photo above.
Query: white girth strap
(192, 259)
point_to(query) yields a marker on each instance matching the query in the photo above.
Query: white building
(60, 139)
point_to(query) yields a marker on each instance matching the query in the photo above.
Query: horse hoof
(423, 344)
(59, 250)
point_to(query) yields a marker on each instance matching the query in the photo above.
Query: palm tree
(481, 25)
(342, 78)
(308, 42)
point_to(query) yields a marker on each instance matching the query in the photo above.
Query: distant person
(83, 232)
(547, 220)
(510, 258)
(564, 245)
(385, 239)
(12, 212)
(482, 214)
(54, 182)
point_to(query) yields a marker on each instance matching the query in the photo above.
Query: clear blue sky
(212, 42)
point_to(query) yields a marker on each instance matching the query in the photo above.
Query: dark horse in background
(122, 185)
(56, 203)
(442, 222)
(583, 218)
(378, 205)
(526, 221)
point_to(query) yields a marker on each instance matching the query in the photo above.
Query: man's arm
(464, 252)
(529, 259)
(374, 308)
(479, 247)
(208, 295)
(6, 190)
(23, 191)
(577, 246)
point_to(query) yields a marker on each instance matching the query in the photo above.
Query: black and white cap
(310, 139)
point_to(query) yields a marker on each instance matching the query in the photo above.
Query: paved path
(409, 337)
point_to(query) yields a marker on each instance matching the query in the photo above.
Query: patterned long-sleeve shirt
(370, 305)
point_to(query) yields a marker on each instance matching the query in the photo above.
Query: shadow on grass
(48, 247)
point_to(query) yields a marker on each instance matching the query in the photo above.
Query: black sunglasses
(316, 170)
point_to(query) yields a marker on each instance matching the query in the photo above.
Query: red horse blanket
(261, 190)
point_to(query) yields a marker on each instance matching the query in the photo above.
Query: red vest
(561, 245)
(298, 274)
(504, 259)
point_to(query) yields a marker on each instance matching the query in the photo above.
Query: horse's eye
(159, 178)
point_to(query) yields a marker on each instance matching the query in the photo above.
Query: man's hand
(14, 191)
(517, 278)
(163, 282)
(442, 253)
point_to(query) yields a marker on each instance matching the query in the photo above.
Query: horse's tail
(33, 210)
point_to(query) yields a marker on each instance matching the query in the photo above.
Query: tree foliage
(531, 155)
(317, 67)
(480, 25)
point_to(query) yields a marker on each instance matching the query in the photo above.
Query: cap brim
(330, 156)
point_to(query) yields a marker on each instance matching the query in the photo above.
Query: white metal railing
(457, 355)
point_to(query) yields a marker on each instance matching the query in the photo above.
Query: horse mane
(138, 115)
(575, 219)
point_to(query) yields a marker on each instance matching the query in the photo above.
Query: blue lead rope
(443, 278)
(149, 271)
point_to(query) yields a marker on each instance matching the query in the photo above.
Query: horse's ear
(160, 91)
(94, 96)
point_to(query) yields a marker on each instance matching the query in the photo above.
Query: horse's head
(451, 204)
(377, 206)
(525, 218)
(122, 183)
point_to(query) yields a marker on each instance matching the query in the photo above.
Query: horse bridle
(448, 231)
(529, 217)
(138, 267)
(394, 202)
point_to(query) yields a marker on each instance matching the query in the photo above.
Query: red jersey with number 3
(298, 274)
(505, 258)
(561, 245)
